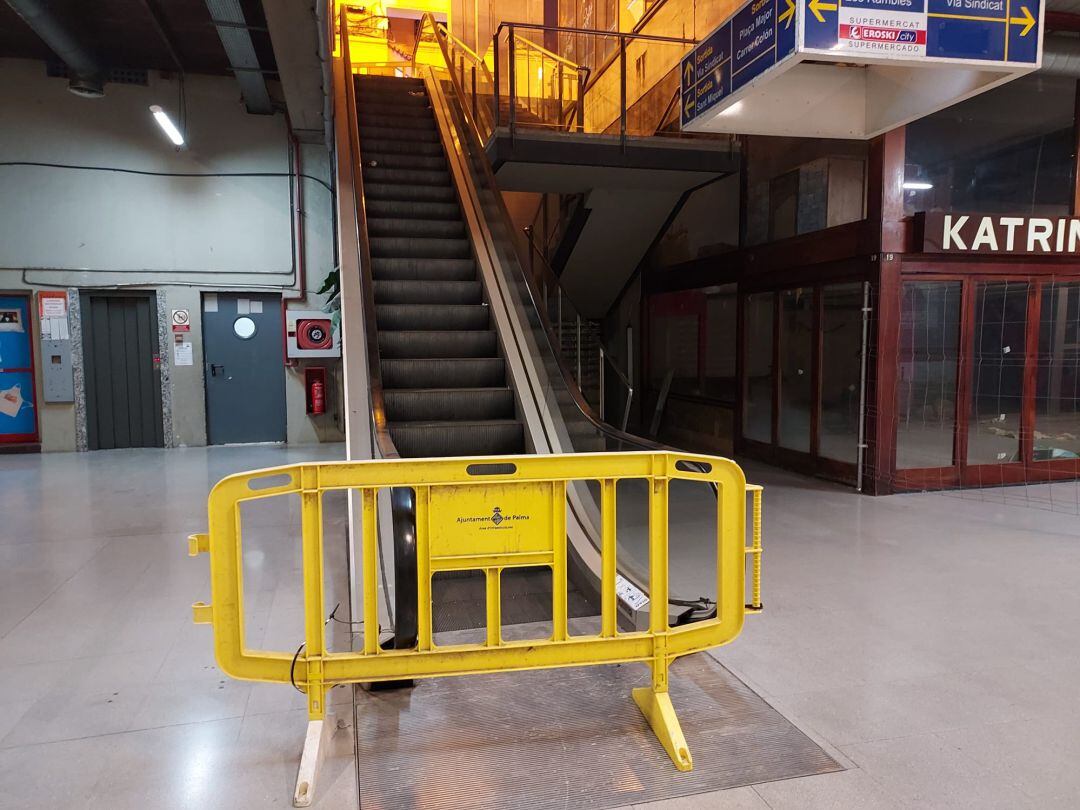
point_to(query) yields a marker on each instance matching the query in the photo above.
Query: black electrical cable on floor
(44, 165)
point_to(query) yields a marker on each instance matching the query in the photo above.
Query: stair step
(389, 82)
(459, 438)
(456, 372)
(411, 209)
(396, 160)
(386, 269)
(418, 317)
(421, 248)
(394, 106)
(428, 292)
(425, 228)
(373, 132)
(402, 123)
(399, 97)
(412, 177)
(437, 344)
(396, 146)
(407, 193)
(427, 404)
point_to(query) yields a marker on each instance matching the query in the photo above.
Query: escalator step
(437, 344)
(384, 269)
(392, 134)
(369, 97)
(427, 228)
(456, 372)
(411, 209)
(415, 248)
(428, 292)
(405, 123)
(407, 193)
(464, 438)
(411, 177)
(389, 82)
(396, 160)
(370, 105)
(427, 404)
(419, 317)
(396, 146)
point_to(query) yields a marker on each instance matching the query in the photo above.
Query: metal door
(18, 417)
(123, 371)
(244, 365)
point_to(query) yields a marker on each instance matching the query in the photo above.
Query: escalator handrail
(586, 410)
(402, 501)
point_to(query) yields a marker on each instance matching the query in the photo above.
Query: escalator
(444, 379)
(461, 357)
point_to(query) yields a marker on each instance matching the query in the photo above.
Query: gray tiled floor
(927, 641)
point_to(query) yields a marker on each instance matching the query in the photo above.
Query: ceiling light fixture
(167, 125)
(917, 185)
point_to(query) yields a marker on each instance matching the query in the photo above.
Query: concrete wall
(181, 236)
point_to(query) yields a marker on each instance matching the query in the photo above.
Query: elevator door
(123, 376)
(244, 367)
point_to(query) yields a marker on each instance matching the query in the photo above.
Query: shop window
(720, 331)
(802, 185)
(758, 339)
(796, 360)
(674, 348)
(926, 390)
(841, 371)
(997, 376)
(1057, 397)
(1007, 150)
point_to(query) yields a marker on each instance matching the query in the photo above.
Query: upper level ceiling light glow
(916, 185)
(167, 125)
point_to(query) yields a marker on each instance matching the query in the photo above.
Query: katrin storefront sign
(939, 232)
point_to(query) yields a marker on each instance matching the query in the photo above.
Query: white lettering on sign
(952, 233)
(1000, 234)
(985, 236)
(1011, 224)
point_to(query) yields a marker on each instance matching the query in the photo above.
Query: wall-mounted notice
(183, 354)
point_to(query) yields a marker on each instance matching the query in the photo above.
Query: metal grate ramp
(568, 738)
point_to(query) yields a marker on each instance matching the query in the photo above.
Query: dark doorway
(244, 365)
(123, 375)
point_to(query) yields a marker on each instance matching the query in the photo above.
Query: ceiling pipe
(87, 77)
(1061, 56)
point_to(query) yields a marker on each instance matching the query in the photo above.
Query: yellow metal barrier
(484, 514)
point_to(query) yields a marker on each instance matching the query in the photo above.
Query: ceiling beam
(294, 34)
(231, 26)
(162, 28)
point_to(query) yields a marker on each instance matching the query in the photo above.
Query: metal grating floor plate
(568, 738)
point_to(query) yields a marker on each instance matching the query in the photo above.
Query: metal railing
(604, 98)
(486, 514)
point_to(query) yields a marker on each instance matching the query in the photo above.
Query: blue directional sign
(759, 35)
(989, 30)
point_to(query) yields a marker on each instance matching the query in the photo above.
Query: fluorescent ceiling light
(734, 109)
(167, 125)
(917, 185)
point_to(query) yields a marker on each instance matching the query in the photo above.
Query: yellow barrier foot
(657, 708)
(315, 744)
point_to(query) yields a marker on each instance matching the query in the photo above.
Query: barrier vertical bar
(608, 599)
(658, 567)
(511, 69)
(755, 585)
(494, 607)
(558, 569)
(314, 609)
(370, 563)
(423, 570)
(496, 89)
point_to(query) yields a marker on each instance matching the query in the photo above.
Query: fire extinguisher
(318, 398)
